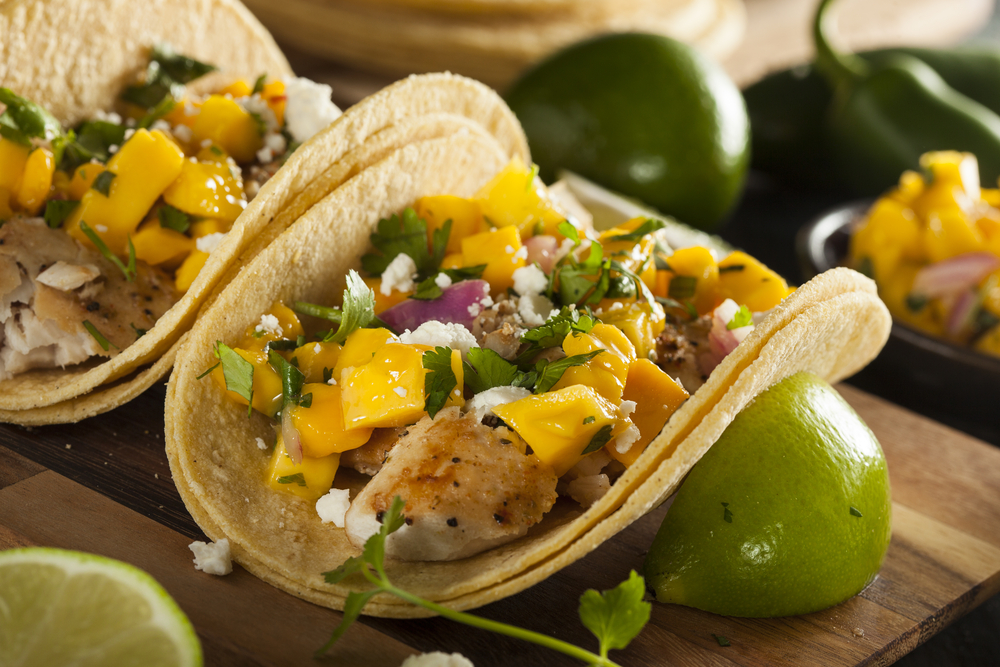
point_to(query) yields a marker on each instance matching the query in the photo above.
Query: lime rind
(165, 615)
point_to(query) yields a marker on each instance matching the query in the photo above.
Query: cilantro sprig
(237, 372)
(440, 379)
(407, 234)
(615, 617)
(357, 312)
(128, 269)
(166, 75)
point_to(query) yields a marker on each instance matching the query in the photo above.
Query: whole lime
(645, 115)
(788, 512)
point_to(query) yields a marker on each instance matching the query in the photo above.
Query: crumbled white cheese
(261, 444)
(529, 280)
(258, 106)
(486, 301)
(509, 249)
(626, 408)
(269, 324)
(441, 334)
(276, 142)
(626, 439)
(398, 275)
(474, 309)
(212, 557)
(442, 280)
(108, 116)
(522, 253)
(309, 108)
(101, 228)
(482, 404)
(332, 381)
(437, 659)
(209, 242)
(534, 309)
(128, 134)
(206, 143)
(400, 391)
(265, 155)
(333, 506)
(617, 305)
(161, 125)
(182, 132)
(112, 149)
(564, 248)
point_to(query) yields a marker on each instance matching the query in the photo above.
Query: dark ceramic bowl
(925, 372)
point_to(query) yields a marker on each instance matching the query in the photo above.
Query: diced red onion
(459, 304)
(542, 249)
(721, 339)
(954, 275)
(961, 312)
(290, 437)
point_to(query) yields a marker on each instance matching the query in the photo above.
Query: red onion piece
(290, 437)
(955, 274)
(961, 312)
(459, 304)
(542, 249)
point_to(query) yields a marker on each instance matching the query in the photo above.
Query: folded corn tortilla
(832, 326)
(108, 44)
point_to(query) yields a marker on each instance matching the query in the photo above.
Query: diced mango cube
(746, 281)
(890, 234)
(158, 245)
(184, 112)
(560, 425)
(238, 88)
(640, 322)
(388, 390)
(636, 256)
(656, 396)
(259, 334)
(466, 218)
(317, 359)
(310, 479)
(453, 261)
(207, 189)
(5, 209)
(13, 157)
(694, 265)
(949, 233)
(606, 373)
(36, 180)
(359, 348)
(208, 226)
(266, 383)
(144, 166)
(83, 179)
(224, 122)
(189, 270)
(517, 197)
(274, 95)
(500, 250)
(321, 425)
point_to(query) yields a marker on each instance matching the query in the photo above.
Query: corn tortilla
(832, 326)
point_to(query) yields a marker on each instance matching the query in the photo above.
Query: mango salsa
(309, 479)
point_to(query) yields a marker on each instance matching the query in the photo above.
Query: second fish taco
(151, 161)
(528, 385)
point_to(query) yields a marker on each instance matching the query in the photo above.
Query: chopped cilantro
(686, 306)
(209, 370)
(57, 210)
(290, 344)
(407, 234)
(599, 440)
(292, 379)
(258, 85)
(589, 420)
(485, 369)
(569, 231)
(742, 318)
(139, 333)
(722, 640)
(682, 287)
(92, 140)
(732, 267)
(173, 218)
(866, 268)
(297, 478)
(22, 120)
(323, 312)
(128, 270)
(358, 310)
(618, 615)
(651, 225)
(237, 371)
(727, 516)
(166, 74)
(551, 372)
(327, 375)
(916, 302)
(440, 379)
(101, 340)
(162, 108)
(557, 327)
(103, 182)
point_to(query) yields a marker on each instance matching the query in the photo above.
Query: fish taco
(140, 175)
(444, 328)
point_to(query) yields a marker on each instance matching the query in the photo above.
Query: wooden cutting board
(103, 486)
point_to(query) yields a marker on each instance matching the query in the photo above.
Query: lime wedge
(62, 607)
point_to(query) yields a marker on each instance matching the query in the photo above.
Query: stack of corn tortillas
(490, 40)
(432, 135)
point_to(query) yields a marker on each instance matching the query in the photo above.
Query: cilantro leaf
(57, 210)
(297, 478)
(237, 371)
(742, 318)
(166, 74)
(682, 287)
(101, 340)
(358, 310)
(651, 225)
(557, 327)
(569, 231)
(439, 381)
(636, 280)
(173, 218)
(102, 247)
(406, 234)
(258, 85)
(427, 290)
(323, 312)
(92, 140)
(600, 439)
(616, 616)
(686, 306)
(485, 369)
(551, 372)
(292, 379)
(22, 120)
(103, 182)
(162, 108)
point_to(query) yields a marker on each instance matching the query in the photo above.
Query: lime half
(62, 607)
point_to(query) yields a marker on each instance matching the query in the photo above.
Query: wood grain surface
(110, 493)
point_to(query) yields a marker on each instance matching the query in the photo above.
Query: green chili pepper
(789, 111)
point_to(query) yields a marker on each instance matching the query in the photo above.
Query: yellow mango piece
(989, 342)
(321, 425)
(359, 348)
(208, 226)
(387, 391)
(990, 292)
(453, 261)
(894, 291)
(560, 424)
(606, 373)
(466, 218)
(144, 166)
(189, 270)
(697, 262)
(83, 179)
(890, 234)
(949, 233)
(257, 335)
(754, 285)
(13, 157)
(266, 383)
(238, 88)
(656, 396)
(640, 322)
(184, 113)
(948, 170)
(36, 180)
(224, 122)
(636, 256)
(310, 479)
(157, 245)
(274, 95)
(516, 197)
(991, 196)
(382, 301)
(500, 250)
(316, 357)
(911, 186)
(207, 189)
(5, 210)
(60, 184)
